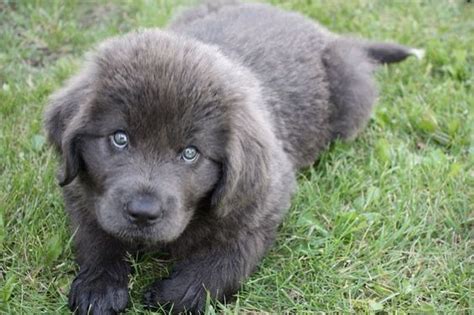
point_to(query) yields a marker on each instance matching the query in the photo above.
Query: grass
(383, 224)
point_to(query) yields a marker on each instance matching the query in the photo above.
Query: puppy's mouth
(159, 231)
(129, 230)
(135, 233)
(141, 224)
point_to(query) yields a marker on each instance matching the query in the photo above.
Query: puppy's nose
(144, 209)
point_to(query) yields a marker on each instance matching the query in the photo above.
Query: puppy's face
(157, 127)
(150, 140)
(148, 176)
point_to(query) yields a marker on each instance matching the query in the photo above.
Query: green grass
(381, 224)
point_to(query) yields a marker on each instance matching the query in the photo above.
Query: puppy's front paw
(97, 294)
(177, 294)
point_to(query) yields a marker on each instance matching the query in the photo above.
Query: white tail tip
(418, 53)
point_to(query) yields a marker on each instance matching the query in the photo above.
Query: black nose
(143, 209)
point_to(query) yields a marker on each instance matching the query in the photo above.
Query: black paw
(97, 294)
(176, 295)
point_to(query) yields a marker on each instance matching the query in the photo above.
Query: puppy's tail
(389, 53)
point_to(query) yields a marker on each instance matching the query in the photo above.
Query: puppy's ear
(245, 169)
(64, 106)
(70, 148)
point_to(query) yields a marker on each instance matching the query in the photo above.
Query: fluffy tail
(390, 53)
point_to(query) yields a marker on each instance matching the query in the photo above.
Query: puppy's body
(283, 50)
(258, 91)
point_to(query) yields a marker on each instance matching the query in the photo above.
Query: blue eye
(119, 139)
(190, 154)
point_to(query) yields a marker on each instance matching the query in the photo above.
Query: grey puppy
(188, 140)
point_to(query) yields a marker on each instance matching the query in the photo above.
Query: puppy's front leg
(101, 284)
(219, 271)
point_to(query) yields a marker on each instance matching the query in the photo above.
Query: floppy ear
(72, 160)
(245, 169)
(63, 106)
(61, 125)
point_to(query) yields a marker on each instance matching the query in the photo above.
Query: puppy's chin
(166, 230)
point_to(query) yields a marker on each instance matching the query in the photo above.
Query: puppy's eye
(190, 154)
(119, 139)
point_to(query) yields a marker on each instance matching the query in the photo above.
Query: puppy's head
(157, 127)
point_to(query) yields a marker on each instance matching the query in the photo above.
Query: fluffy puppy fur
(255, 93)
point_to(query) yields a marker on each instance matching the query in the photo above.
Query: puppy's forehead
(160, 84)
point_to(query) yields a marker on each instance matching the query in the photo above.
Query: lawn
(384, 223)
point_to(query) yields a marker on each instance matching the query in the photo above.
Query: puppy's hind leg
(349, 66)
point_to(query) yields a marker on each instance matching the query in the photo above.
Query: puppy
(188, 140)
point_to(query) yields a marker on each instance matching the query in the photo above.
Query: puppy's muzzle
(143, 209)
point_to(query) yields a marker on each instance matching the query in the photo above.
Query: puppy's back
(283, 50)
(317, 85)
